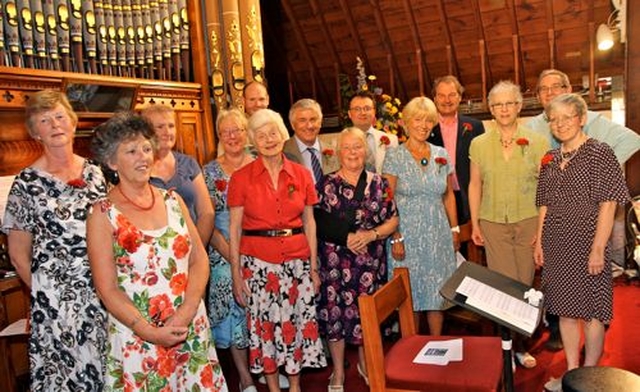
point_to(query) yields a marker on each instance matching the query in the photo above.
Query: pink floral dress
(152, 267)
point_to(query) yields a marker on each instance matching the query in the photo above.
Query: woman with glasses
(580, 184)
(504, 173)
(228, 319)
(273, 255)
(356, 214)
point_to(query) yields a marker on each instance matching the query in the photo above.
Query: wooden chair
(480, 370)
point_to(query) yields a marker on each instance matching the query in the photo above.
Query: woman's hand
(476, 235)
(357, 242)
(397, 251)
(182, 317)
(315, 278)
(456, 241)
(166, 336)
(240, 288)
(596, 262)
(538, 256)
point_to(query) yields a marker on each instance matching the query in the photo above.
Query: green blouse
(508, 186)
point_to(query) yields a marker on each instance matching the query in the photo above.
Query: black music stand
(474, 276)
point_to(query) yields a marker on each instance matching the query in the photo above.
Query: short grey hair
(447, 79)
(554, 72)
(302, 104)
(231, 113)
(572, 100)
(264, 117)
(505, 86)
(351, 131)
(122, 127)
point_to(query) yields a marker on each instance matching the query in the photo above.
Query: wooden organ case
(107, 55)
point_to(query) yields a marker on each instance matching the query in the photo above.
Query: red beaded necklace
(153, 199)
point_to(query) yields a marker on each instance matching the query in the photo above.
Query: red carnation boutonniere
(441, 161)
(388, 194)
(291, 188)
(546, 159)
(384, 141)
(466, 127)
(523, 142)
(327, 152)
(221, 185)
(77, 183)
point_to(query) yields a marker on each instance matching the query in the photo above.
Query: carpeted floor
(621, 351)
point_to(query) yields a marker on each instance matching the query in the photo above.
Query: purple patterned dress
(345, 275)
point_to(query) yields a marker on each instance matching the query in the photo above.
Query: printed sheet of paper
(515, 311)
(440, 352)
(5, 187)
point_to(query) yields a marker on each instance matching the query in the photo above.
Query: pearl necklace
(138, 206)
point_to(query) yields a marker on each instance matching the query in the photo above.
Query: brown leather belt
(273, 233)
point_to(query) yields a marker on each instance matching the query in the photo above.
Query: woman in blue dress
(427, 236)
(228, 319)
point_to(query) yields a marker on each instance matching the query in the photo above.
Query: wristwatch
(455, 229)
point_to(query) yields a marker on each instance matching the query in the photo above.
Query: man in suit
(305, 147)
(254, 97)
(455, 132)
(362, 112)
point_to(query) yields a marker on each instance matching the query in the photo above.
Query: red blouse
(266, 208)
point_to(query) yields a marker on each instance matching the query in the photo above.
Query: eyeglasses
(231, 132)
(261, 137)
(361, 109)
(560, 120)
(554, 88)
(502, 105)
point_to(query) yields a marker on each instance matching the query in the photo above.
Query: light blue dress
(228, 319)
(428, 243)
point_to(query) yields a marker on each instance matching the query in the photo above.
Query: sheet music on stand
(490, 300)
(493, 295)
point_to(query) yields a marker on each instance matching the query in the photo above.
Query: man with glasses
(362, 112)
(305, 147)
(624, 142)
(455, 132)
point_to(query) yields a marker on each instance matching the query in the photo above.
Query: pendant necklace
(138, 206)
(423, 157)
(506, 143)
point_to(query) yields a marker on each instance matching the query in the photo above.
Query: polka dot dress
(572, 196)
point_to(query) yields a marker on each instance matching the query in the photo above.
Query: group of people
(280, 235)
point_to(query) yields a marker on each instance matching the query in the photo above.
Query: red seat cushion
(480, 369)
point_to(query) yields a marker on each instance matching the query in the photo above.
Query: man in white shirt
(305, 147)
(362, 112)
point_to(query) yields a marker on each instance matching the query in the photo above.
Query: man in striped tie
(305, 147)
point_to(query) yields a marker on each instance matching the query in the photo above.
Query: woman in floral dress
(228, 319)
(153, 276)
(420, 176)
(355, 214)
(45, 224)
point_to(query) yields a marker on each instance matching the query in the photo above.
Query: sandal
(526, 360)
(334, 388)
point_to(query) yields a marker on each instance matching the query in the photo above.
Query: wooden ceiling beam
(592, 60)
(391, 56)
(325, 32)
(353, 31)
(304, 47)
(453, 62)
(420, 57)
(518, 63)
(551, 34)
(482, 52)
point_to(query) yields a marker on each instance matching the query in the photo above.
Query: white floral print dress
(152, 268)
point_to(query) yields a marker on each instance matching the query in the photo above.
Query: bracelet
(375, 231)
(455, 229)
(397, 240)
